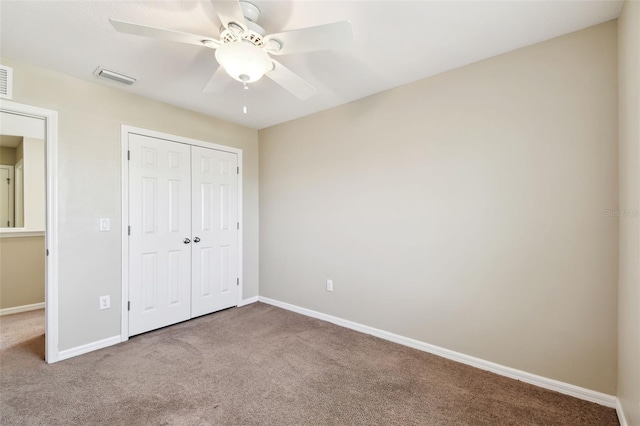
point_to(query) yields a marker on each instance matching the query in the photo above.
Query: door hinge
(238, 168)
(128, 155)
(238, 225)
(128, 306)
(237, 281)
(8, 181)
(129, 230)
(47, 252)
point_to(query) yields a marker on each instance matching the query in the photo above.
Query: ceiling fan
(243, 50)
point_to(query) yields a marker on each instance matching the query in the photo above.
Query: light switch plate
(105, 224)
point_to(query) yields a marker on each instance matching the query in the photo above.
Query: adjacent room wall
(35, 194)
(20, 151)
(21, 271)
(7, 156)
(470, 210)
(22, 277)
(629, 206)
(89, 185)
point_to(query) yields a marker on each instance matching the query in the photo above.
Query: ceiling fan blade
(312, 39)
(161, 33)
(291, 81)
(229, 11)
(219, 80)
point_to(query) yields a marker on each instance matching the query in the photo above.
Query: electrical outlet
(329, 285)
(105, 302)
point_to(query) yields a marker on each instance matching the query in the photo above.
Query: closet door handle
(186, 241)
(196, 240)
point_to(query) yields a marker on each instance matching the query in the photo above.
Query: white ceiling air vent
(6, 82)
(114, 76)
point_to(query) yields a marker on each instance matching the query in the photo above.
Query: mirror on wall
(22, 172)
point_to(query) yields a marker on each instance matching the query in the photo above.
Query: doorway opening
(28, 236)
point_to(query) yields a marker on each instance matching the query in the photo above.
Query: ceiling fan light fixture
(243, 49)
(243, 61)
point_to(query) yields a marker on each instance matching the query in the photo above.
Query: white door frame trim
(50, 117)
(125, 131)
(12, 201)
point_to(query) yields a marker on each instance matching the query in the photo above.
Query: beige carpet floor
(261, 365)
(18, 328)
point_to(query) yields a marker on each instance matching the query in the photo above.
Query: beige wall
(629, 181)
(21, 271)
(466, 210)
(89, 179)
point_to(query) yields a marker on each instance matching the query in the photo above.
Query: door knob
(186, 241)
(196, 240)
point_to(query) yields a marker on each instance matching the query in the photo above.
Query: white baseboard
(621, 417)
(248, 301)
(23, 308)
(543, 382)
(89, 347)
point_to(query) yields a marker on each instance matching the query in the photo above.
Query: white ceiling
(396, 42)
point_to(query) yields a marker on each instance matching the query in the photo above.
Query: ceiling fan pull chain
(244, 93)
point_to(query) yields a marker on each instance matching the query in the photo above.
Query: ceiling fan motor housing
(235, 32)
(250, 11)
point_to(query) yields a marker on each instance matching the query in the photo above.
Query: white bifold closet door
(183, 243)
(214, 189)
(160, 220)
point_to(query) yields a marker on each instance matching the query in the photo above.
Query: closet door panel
(214, 226)
(160, 220)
